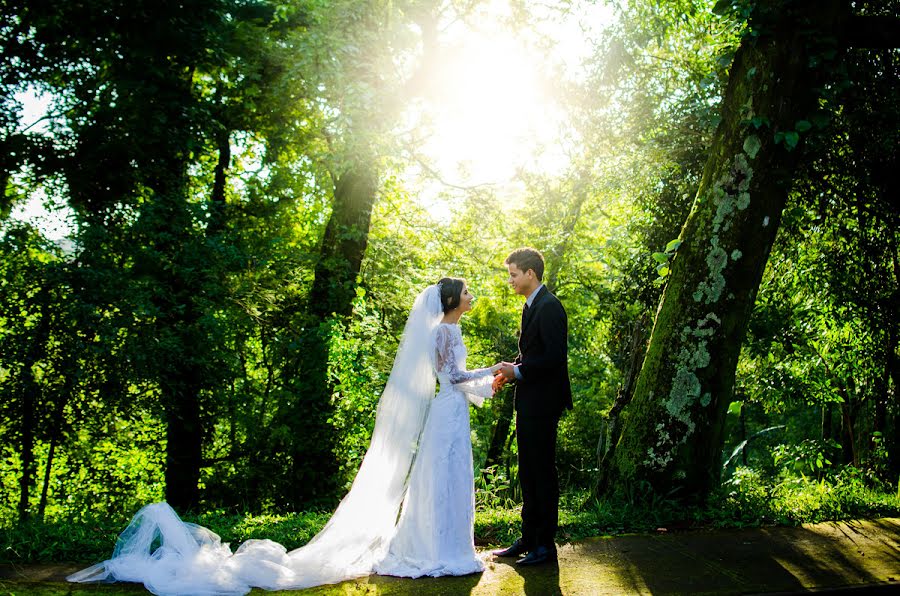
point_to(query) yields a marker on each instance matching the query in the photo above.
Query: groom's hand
(508, 370)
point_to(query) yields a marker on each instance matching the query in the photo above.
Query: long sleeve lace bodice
(450, 365)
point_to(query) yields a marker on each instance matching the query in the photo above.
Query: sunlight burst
(492, 112)
(492, 106)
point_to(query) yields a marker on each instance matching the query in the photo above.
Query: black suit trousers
(536, 440)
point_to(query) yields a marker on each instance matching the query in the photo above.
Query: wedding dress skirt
(434, 534)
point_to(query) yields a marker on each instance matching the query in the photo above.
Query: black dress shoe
(517, 548)
(541, 554)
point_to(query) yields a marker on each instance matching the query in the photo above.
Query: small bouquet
(499, 382)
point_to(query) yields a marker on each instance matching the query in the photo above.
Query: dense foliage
(243, 236)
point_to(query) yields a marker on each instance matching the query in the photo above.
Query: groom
(541, 374)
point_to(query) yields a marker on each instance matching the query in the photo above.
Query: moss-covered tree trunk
(672, 430)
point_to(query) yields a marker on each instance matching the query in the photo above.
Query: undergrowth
(746, 499)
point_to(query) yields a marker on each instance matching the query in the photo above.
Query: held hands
(508, 370)
(503, 373)
(499, 382)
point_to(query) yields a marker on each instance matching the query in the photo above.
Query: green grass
(93, 540)
(746, 500)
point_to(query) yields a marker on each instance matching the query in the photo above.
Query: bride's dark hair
(451, 292)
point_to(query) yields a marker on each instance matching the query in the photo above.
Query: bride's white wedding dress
(434, 534)
(420, 457)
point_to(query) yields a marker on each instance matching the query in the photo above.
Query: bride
(409, 512)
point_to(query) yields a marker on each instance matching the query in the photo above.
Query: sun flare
(491, 106)
(491, 113)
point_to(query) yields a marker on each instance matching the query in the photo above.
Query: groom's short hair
(525, 259)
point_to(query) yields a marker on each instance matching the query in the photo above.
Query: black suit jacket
(543, 358)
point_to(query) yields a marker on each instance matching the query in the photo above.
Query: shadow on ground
(862, 556)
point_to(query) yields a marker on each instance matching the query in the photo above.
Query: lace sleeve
(449, 351)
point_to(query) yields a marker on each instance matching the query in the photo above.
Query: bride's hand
(498, 383)
(495, 368)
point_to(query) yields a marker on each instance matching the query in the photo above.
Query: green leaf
(821, 119)
(751, 146)
(803, 125)
(735, 408)
(662, 270)
(661, 257)
(791, 138)
(673, 245)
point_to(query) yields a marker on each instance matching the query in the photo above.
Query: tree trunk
(743, 422)
(611, 428)
(5, 202)
(344, 244)
(180, 368)
(217, 198)
(26, 452)
(557, 253)
(848, 441)
(892, 440)
(314, 464)
(45, 489)
(184, 367)
(827, 432)
(184, 442)
(672, 431)
(56, 436)
(892, 371)
(30, 390)
(501, 430)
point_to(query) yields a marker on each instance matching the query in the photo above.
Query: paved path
(854, 557)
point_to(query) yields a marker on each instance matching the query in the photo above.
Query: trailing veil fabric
(190, 559)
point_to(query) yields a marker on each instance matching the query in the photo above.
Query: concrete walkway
(857, 557)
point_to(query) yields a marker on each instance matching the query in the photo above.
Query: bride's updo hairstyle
(451, 292)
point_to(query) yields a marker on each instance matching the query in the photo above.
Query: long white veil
(189, 559)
